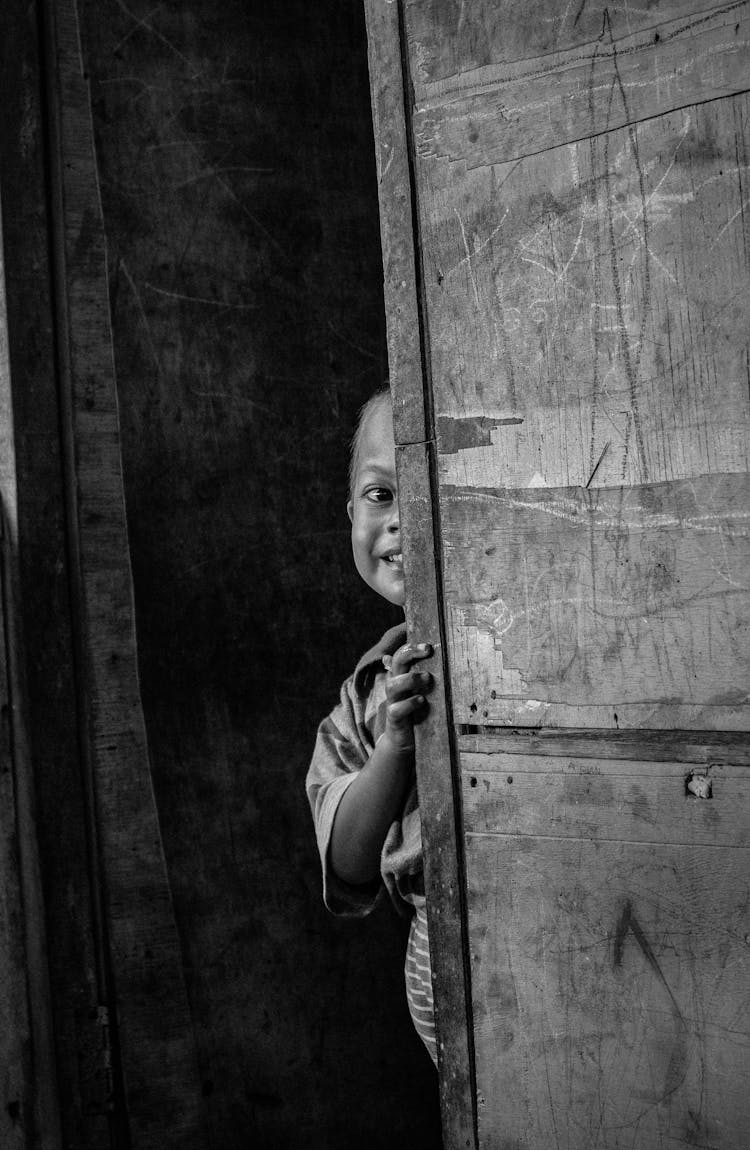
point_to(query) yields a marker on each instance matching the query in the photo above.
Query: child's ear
(350, 511)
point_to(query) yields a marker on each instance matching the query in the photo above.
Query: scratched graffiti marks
(616, 975)
(457, 36)
(593, 300)
(599, 599)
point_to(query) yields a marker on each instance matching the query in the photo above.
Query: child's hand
(405, 690)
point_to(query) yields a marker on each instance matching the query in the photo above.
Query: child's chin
(388, 584)
(395, 592)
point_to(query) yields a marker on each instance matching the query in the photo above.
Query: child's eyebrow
(372, 468)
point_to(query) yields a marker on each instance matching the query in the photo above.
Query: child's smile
(373, 508)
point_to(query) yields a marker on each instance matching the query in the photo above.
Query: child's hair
(380, 396)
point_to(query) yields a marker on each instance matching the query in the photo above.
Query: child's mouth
(394, 560)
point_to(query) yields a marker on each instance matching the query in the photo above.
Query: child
(361, 782)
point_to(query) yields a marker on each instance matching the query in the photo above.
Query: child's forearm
(367, 809)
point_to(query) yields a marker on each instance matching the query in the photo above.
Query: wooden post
(151, 1018)
(437, 777)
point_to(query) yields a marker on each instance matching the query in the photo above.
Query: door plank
(611, 799)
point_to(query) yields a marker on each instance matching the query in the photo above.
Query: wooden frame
(437, 776)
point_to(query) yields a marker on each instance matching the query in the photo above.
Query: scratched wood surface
(583, 215)
(604, 340)
(455, 40)
(610, 957)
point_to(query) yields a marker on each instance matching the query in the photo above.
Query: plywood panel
(611, 985)
(601, 608)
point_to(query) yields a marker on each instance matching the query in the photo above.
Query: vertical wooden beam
(45, 743)
(29, 1110)
(395, 194)
(143, 957)
(440, 810)
(437, 775)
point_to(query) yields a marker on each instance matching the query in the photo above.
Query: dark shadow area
(237, 176)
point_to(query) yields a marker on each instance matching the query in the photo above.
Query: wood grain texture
(611, 990)
(153, 1021)
(600, 608)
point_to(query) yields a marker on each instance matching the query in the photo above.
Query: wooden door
(565, 218)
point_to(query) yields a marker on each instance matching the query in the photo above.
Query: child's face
(373, 508)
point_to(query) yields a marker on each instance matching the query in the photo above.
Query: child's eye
(378, 495)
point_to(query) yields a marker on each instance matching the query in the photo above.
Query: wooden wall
(235, 158)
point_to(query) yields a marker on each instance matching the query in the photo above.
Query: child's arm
(373, 800)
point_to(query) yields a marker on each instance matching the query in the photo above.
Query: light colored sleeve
(340, 753)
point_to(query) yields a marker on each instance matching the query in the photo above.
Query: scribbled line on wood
(612, 83)
(678, 1059)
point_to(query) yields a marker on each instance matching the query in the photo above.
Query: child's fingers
(405, 711)
(412, 683)
(406, 655)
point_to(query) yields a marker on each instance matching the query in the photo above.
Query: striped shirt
(418, 977)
